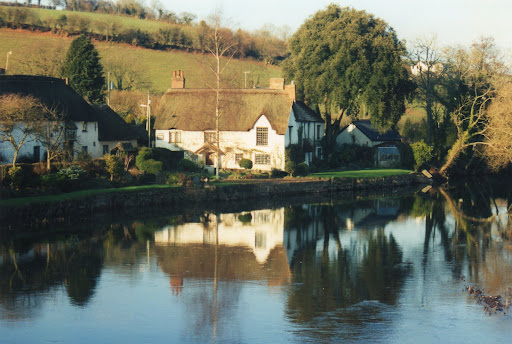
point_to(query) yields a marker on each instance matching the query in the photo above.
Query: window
(94, 144)
(238, 157)
(105, 149)
(84, 126)
(261, 136)
(290, 131)
(318, 131)
(159, 136)
(84, 149)
(175, 136)
(37, 153)
(210, 137)
(262, 159)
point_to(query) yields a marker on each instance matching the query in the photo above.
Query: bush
(245, 163)
(422, 153)
(302, 169)
(277, 173)
(186, 165)
(114, 166)
(71, 173)
(51, 182)
(144, 162)
(16, 177)
(290, 167)
(294, 153)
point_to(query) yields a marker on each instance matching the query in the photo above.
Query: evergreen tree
(84, 70)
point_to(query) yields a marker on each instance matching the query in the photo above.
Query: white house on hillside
(255, 124)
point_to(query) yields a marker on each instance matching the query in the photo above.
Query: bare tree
(18, 119)
(426, 73)
(220, 45)
(50, 132)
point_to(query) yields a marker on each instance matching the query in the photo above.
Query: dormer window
(261, 136)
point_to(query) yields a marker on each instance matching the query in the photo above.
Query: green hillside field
(155, 65)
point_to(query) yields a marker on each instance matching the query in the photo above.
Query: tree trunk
(15, 157)
(453, 154)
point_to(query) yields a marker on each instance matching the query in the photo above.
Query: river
(368, 269)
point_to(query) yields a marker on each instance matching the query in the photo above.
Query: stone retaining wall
(87, 207)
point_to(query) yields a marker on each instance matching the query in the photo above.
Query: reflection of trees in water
(25, 278)
(325, 282)
(330, 276)
(32, 268)
(478, 209)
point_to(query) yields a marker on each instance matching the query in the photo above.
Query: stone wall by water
(90, 206)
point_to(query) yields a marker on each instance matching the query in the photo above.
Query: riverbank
(87, 205)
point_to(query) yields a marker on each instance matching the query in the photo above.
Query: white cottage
(89, 128)
(255, 124)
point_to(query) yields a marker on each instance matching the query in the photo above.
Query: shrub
(71, 173)
(290, 167)
(51, 181)
(245, 163)
(186, 165)
(422, 153)
(302, 169)
(144, 162)
(294, 153)
(16, 177)
(114, 166)
(277, 173)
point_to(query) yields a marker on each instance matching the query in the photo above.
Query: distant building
(364, 134)
(255, 124)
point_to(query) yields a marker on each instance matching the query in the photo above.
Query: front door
(208, 158)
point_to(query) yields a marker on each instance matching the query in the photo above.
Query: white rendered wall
(231, 143)
(355, 136)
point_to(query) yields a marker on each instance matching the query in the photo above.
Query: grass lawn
(361, 173)
(77, 194)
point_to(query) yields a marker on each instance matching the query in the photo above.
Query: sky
(455, 22)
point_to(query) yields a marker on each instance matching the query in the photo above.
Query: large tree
(84, 70)
(349, 63)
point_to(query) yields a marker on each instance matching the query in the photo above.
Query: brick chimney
(277, 84)
(178, 79)
(291, 91)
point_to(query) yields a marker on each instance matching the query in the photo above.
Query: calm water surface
(387, 270)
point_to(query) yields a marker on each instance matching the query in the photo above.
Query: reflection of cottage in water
(226, 246)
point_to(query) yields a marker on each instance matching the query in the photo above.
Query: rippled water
(388, 270)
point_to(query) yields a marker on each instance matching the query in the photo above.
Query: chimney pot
(178, 80)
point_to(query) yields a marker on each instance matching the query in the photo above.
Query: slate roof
(304, 113)
(52, 92)
(194, 109)
(111, 127)
(373, 134)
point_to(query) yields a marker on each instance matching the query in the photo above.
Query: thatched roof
(194, 109)
(52, 92)
(111, 127)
